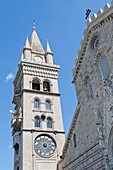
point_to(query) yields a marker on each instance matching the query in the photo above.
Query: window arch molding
(36, 98)
(36, 82)
(49, 122)
(35, 78)
(48, 104)
(98, 54)
(47, 81)
(37, 121)
(47, 87)
(36, 102)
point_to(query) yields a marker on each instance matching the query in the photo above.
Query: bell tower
(37, 126)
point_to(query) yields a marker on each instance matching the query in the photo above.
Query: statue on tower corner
(16, 120)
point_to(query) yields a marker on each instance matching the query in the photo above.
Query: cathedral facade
(37, 126)
(89, 144)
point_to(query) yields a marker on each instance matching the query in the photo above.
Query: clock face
(44, 146)
(38, 59)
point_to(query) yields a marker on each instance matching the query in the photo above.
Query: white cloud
(10, 147)
(10, 76)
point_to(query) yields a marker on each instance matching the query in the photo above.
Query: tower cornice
(38, 69)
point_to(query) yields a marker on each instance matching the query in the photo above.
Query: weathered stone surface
(93, 80)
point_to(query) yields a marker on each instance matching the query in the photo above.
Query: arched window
(36, 84)
(49, 122)
(74, 140)
(46, 86)
(48, 105)
(104, 67)
(37, 122)
(16, 148)
(36, 103)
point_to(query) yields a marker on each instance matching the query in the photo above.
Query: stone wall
(92, 159)
(93, 80)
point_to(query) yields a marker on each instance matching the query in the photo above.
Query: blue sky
(62, 22)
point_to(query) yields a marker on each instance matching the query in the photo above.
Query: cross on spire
(34, 23)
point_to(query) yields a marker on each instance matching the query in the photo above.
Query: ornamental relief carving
(41, 72)
(108, 85)
(98, 54)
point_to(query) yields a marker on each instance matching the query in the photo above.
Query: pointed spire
(27, 45)
(49, 54)
(48, 49)
(26, 51)
(35, 42)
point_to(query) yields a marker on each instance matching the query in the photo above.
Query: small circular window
(94, 44)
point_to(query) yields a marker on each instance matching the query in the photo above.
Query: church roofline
(94, 24)
(102, 13)
(71, 130)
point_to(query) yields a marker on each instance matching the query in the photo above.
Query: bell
(43, 117)
(45, 88)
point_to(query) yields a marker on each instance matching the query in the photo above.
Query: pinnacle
(48, 49)
(106, 6)
(100, 12)
(94, 16)
(27, 45)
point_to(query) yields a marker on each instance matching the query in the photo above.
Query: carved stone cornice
(42, 131)
(40, 71)
(40, 92)
(37, 69)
